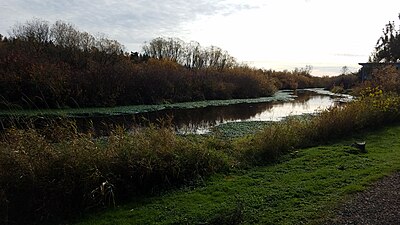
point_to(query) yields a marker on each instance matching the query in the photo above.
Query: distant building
(367, 68)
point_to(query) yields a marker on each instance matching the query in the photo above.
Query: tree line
(190, 55)
(45, 65)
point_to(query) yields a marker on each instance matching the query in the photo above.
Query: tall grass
(373, 109)
(56, 172)
(42, 178)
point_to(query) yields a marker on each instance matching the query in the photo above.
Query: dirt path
(379, 204)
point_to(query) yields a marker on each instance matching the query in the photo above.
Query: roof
(378, 64)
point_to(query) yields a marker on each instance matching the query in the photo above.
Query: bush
(43, 180)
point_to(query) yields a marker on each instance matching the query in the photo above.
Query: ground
(379, 204)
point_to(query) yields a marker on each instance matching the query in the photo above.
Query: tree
(190, 54)
(109, 46)
(35, 30)
(166, 48)
(345, 70)
(388, 46)
(65, 35)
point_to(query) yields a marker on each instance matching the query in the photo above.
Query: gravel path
(379, 204)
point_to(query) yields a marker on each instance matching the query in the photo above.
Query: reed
(43, 178)
(56, 172)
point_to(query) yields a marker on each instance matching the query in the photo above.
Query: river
(201, 120)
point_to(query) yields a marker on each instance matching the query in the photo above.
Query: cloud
(349, 55)
(130, 22)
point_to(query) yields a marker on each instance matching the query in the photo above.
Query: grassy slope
(302, 188)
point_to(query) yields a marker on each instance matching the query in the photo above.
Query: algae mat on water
(280, 96)
(300, 189)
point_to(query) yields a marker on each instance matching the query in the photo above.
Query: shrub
(45, 179)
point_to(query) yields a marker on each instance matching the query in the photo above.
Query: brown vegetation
(55, 66)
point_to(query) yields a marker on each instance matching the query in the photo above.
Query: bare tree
(192, 53)
(33, 30)
(345, 70)
(86, 41)
(166, 48)
(188, 54)
(109, 46)
(65, 35)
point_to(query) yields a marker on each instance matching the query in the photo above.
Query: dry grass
(55, 172)
(373, 109)
(41, 178)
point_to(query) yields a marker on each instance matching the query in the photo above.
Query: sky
(268, 34)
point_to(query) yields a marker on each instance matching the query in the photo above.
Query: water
(201, 120)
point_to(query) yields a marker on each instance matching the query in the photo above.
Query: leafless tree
(33, 30)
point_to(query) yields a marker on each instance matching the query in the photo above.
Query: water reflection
(200, 120)
(305, 104)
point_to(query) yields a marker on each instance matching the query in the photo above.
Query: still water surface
(201, 120)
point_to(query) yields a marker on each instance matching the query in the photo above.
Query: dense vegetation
(304, 187)
(55, 172)
(43, 66)
(58, 66)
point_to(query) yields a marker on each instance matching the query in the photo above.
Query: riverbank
(280, 96)
(190, 117)
(302, 188)
(63, 173)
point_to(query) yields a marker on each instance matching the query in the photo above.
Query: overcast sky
(270, 34)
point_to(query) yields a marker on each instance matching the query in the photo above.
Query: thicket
(56, 172)
(52, 76)
(43, 66)
(299, 78)
(52, 174)
(56, 66)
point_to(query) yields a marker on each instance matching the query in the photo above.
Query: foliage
(43, 178)
(344, 81)
(385, 78)
(57, 170)
(58, 66)
(388, 46)
(297, 79)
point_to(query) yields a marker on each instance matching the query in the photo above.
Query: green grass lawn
(302, 188)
